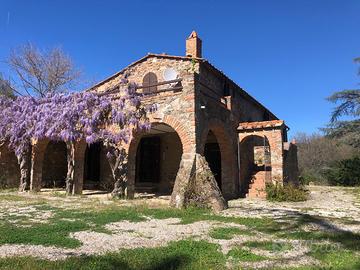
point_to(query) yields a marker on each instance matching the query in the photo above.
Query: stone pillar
(277, 157)
(80, 148)
(37, 158)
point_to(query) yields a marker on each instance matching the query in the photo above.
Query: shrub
(316, 178)
(344, 172)
(317, 153)
(289, 192)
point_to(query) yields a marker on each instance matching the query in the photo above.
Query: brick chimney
(193, 46)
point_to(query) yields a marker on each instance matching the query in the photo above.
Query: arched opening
(158, 159)
(54, 165)
(9, 168)
(97, 173)
(213, 156)
(255, 156)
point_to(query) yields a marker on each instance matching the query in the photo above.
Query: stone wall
(175, 108)
(207, 102)
(54, 165)
(9, 168)
(222, 105)
(291, 169)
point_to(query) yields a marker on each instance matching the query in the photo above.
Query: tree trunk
(118, 163)
(71, 168)
(24, 164)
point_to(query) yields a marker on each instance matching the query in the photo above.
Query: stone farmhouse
(200, 111)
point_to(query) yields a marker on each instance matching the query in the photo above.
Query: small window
(149, 83)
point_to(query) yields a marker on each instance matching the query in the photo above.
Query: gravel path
(329, 205)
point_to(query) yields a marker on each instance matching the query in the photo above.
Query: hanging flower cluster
(73, 117)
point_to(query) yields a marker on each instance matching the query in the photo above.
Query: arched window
(149, 83)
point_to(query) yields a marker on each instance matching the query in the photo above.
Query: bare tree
(41, 72)
(316, 153)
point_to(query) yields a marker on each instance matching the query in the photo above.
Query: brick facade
(205, 102)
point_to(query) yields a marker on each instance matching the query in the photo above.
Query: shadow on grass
(290, 224)
(185, 254)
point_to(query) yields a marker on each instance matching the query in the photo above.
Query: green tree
(348, 101)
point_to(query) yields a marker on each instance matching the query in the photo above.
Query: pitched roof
(261, 125)
(185, 58)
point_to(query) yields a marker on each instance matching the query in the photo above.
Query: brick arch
(248, 166)
(228, 157)
(179, 128)
(38, 155)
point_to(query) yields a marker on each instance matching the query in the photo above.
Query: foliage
(350, 103)
(316, 154)
(339, 249)
(347, 132)
(245, 255)
(344, 172)
(288, 192)
(43, 72)
(73, 117)
(227, 232)
(181, 255)
(349, 106)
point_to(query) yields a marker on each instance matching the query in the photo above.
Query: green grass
(187, 254)
(181, 255)
(348, 240)
(227, 232)
(335, 258)
(11, 197)
(244, 255)
(65, 221)
(6, 190)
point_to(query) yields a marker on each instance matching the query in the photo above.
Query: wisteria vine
(88, 116)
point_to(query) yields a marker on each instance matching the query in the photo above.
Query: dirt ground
(329, 209)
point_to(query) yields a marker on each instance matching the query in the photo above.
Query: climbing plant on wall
(88, 116)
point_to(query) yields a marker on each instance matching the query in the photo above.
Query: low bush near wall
(289, 192)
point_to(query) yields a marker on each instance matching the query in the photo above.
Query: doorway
(92, 166)
(213, 157)
(149, 160)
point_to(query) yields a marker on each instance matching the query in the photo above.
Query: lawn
(52, 232)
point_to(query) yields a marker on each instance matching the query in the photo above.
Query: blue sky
(290, 55)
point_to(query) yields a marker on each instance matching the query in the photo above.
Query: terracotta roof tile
(260, 125)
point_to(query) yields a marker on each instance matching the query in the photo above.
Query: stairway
(257, 185)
